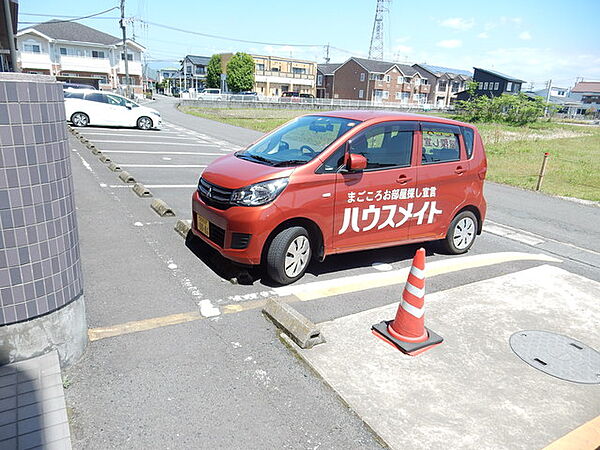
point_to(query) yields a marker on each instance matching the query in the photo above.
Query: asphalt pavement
(191, 361)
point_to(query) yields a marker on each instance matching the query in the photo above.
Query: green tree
(512, 109)
(240, 72)
(213, 72)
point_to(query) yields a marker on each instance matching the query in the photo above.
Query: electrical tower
(376, 47)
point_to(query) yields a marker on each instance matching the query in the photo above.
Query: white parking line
(170, 166)
(145, 152)
(171, 186)
(155, 143)
(184, 138)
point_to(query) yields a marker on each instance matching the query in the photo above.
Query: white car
(210, 94)
(87, 107)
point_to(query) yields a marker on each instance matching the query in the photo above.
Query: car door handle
(403, 179)
(459, 170)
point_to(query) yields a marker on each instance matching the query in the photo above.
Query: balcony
(83, 64)
(35, 60)
(273, 76)
(135, 67)
(424, 89)
(406, 87)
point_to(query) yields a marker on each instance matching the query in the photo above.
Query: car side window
(114, 100)
(73, 94)
(469, 137)
(439, 147)
(385, 146)
(96, 97)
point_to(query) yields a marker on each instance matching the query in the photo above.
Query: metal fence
(259, 101)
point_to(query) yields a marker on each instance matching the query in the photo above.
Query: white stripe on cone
(413, 310)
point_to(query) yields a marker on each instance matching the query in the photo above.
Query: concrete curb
(141, 190)
(95, 151)
(161, 208)
(105, 159)
(113, 167)
(90, 146)
(301, 330)
(126, 178)
(183, 227)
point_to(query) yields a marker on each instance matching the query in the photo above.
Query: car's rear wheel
(288, 255)
(461, 233)
(80, 119)
(144, 123)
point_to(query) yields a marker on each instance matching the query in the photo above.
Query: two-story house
(325, 77)
(193, 69)
(492, 84)
(590, 94)
(274, 75)
(380, 82)
(445, 83)
(76, 53)
(562, 98)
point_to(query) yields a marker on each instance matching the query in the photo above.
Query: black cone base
(410, 348)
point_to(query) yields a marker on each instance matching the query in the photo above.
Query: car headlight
(260, 193)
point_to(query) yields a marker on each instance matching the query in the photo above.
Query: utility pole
(123, 27)
(549, 87)
(11, 36)
(327, 54)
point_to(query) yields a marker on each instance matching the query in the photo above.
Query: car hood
(149, 110)
(234, 173)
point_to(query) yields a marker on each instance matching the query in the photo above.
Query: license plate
(202, 225)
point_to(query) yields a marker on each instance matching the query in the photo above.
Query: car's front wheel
(80, 119)
(288, 255)
(144, 123)
(461, 233)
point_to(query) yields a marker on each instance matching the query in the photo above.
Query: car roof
(383, 116)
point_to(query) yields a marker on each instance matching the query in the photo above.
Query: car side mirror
(356, 163)
(128, 105)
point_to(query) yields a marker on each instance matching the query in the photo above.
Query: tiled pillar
(41, 290)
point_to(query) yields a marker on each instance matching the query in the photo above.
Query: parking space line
(170, 186)
(321, 289)
(585, 436)
(167, 166)
(198, 144)
(356, 283)
(177, 135)
(146, 152)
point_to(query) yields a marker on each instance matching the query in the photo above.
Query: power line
(73, 19)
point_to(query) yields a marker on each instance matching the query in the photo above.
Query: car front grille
(213, 195)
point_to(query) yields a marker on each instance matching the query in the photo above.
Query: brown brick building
(371, 80)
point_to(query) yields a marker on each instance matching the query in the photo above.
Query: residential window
(63, 51)
(260, 67)
(380, 77)
(361, 93)
(188, 69)
(388, 78)
(424, 81)
(405, 97)
(439, 147)
(455, 86)
(299, 70)
(32, 48)
(362, 76)
(398, 95)
(485, 86)
(129, 56)
(400, 80)
(319, 80)
(417, 81)
(200, 70)
(496, 85)
(275, 69)
(480, 85)
(442, 85)
(509, 86)
(97, 54)
(386, 95)
(560, 93)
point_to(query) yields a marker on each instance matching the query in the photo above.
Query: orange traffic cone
(407, 331)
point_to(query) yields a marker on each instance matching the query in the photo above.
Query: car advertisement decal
(393, 215)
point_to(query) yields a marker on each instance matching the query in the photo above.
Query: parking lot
(169, 294)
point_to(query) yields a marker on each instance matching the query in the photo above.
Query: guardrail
(238, 100)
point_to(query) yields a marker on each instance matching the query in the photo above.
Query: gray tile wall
(40, 270)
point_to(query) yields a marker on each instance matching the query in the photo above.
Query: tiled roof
(376, 66)
(198, 60)
(587, 86)
(73, 31)
(501, 75)
(327, 69)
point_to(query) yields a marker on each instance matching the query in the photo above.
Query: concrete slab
(472, 390)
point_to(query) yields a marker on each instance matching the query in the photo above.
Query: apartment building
(445, 83)
(325, 78)
(274, 74)
(380, 82)
(76, 53)
(193, 69)
(492, 84)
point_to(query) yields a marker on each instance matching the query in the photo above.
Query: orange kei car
(343, 181)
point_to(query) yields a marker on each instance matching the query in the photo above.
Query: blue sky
(534, 40)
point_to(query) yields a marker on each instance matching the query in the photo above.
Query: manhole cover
(557, 355)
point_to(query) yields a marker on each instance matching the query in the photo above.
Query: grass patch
(514, 154)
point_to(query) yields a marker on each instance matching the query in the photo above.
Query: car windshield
(298, 142)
